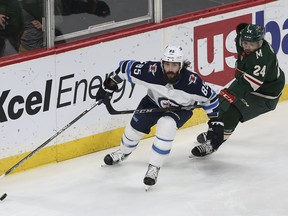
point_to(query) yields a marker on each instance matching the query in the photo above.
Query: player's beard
(171, 77)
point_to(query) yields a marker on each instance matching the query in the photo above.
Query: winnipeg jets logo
(166, 103)
(192, 79)
(153, 69)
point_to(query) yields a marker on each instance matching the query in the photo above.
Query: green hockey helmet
(252, 33)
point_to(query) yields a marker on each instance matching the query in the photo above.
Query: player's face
(171, 70)
(250, 46)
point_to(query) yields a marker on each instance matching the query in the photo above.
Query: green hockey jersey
(257, 73)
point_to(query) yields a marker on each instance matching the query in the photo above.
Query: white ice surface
(248, 176)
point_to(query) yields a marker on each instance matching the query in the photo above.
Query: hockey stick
(112, 111)
(51, 138)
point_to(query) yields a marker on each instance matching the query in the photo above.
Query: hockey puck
(3, 196)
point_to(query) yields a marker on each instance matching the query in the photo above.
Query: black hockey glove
(109, 86)
(215, 132)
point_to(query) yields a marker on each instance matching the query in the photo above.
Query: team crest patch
(166, 103)
(192, 79)
(153, 69)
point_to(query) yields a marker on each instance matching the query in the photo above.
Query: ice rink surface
(248, 176)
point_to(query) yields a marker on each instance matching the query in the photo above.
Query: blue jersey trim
(159, 151)
(214, 105)
(164, 139)
(128, 70)
(129, 146)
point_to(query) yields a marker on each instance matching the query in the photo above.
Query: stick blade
(3, 196)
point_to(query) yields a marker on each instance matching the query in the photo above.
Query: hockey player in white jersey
(169, 83)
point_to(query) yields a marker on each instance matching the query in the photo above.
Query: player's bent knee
(132, 134)
(166, 127)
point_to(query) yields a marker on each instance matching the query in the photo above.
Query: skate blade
(106, 165)
(191, 156)
(198, 157)
(147, 187)
(198, 143)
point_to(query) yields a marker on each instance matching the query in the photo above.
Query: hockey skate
(115, 157)
(202, 150)
(202, 138)
(151, 176)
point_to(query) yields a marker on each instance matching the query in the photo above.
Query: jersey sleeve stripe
(123, 65)
(255, 84)
(213, 94)
(128, 70)
(212, 106)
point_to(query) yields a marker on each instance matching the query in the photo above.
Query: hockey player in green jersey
(256, 89)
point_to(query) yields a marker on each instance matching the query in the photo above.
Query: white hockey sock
(130, 139)
(165, 133)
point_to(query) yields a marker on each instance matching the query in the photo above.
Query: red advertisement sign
(215, 51)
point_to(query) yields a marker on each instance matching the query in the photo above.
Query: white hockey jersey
(189, 91)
